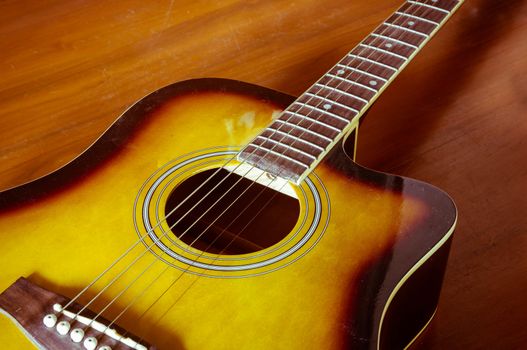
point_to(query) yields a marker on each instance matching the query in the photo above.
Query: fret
(422, 12)
(384, 51)
(277, 154)
(271, 131)
(352, 82)
(299, 151)
(291, 147)
(307, 117)
(272, 163)
(304, 129)
(378, 56)
(300, 134)
(362, 72)
(418, 26)
(363, 65)
(428, 6)
(308, 123)
(401, 34)
(340, 91)
(345, 83)
(374, 62)
(448, 5)
(417, 18)
(390, 46)
(335, 103)
(330, 116)
(395, 40)
(405, 29)
(324, 115)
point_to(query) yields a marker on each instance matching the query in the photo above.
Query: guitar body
(360, 268)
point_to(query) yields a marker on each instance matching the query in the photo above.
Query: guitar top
(216, 214)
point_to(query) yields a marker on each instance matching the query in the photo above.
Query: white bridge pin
(76, 335)
(50, 320)
(105, 347)
(90, 343)
(63, 327)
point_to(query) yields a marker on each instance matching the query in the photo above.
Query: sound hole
(258, 219)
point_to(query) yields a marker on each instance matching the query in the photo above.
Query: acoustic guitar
(215, 214)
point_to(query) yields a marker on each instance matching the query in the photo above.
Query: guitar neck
(303, 134)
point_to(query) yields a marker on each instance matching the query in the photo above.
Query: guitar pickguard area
(226, 223)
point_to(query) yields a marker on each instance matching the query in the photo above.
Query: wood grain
(453, 118)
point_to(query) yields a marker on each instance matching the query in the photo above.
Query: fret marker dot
(327, 106)
(373, 82)
(340, 71)
(388, 45)
(411, 23)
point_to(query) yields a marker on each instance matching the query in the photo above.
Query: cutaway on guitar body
(347, 253)
(224, 215)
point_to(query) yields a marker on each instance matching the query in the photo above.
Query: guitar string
(162, 294)
(196, 277)
(157, 225)
(190, 245)
(284, 136)
(125, 253)
(123, 271)
(182, 273)
(175, 279)
(173, 210)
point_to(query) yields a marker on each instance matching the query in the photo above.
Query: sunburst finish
(378, 233)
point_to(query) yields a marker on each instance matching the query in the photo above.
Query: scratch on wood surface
(169, 11)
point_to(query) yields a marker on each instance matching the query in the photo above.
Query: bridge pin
(63, 327)
(90, 343)
(76, 335)
(50, 320)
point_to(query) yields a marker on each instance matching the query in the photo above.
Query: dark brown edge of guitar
(415, 302)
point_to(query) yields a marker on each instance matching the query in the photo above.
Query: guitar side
(371, 281)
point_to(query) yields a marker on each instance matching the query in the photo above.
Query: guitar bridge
(33, 309)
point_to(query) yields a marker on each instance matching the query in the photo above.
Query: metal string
(157, 225)
(194, 241)
(218, 255)
(181, 273)
(308, 101)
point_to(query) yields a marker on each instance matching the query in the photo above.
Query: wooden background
(455, 117)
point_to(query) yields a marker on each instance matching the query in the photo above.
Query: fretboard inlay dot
(340, 71)
(327, 106)
(373, 82)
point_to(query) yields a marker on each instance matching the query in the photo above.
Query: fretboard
(305, 132)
